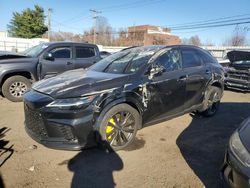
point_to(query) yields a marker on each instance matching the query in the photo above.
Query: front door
(61, 60)
(166, 90)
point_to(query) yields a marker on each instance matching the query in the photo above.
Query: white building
(17, 44)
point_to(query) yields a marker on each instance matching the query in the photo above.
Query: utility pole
(95, 12)
(49, 24)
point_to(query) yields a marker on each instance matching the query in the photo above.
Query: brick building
(149, 34)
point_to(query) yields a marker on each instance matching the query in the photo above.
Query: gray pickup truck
(19, 71)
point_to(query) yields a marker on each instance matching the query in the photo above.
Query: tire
(14, 87)
(212, 101)
(113, 128)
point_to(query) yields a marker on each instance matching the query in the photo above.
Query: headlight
(71, 103)
(239, 150)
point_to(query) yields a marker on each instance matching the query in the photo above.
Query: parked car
(104, 54)
(121, 94)
(237, 74)
(236, 168)
(18, 71)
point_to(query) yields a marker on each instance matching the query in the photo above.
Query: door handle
(208, 72)
(183, 78)
(69, 63)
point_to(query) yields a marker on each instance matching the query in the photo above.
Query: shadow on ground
(1, 182)
(204, 141)
(5, 150)
(94, 167)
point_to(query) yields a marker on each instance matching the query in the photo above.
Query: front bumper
(241, 85)
(234, 173)
(55, 128)
(237, 79)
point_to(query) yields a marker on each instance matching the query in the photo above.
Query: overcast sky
(74, 16)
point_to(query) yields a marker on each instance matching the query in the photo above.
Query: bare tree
(209, 43)
(121, 39)
(184, 41)
(193, 40)
(104, 31)
(238, 37)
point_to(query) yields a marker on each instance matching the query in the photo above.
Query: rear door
(197, 77)
(85, 56)
(62, 61)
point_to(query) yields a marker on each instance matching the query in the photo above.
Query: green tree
(28, 24)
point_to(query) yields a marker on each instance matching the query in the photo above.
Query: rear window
(190, 58)
(84, 52)
(206, 57)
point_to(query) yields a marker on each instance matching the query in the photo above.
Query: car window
(84, 52)
(170, 60)
(206, 57)
(61, 52)
(190, 58)
(35, 50)
(125, 62)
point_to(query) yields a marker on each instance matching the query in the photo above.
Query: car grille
(67, 133)
(239, 75)
(34, 122)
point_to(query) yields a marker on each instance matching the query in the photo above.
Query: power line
(210, 20)
(212, 26)
(135, 6)
(122, 5)
(206, 24)
(66, 26)
(198, 30)
(77, 19)
(117, 7)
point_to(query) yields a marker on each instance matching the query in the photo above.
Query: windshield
(125, 62)
(35, 50)
(242, 62)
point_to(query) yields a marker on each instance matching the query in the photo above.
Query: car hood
(234, 56)
(79, 82)
(244, 132)
(11, 55)
(18, 60)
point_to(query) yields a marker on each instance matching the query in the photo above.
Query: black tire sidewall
(212, 90)
(107, 114)
(7, 84)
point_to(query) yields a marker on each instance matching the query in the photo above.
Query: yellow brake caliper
(110, 128)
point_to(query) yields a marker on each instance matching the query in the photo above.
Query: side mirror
(155, 70)
(49, 57)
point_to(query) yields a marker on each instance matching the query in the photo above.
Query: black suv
(18, 71)
(121, 94)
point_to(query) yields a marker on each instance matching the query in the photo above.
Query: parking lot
(183, 152)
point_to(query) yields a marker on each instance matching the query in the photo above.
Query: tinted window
(190, 58)
(62, 52)
(206, 57)
(84, 52)
(170, 60)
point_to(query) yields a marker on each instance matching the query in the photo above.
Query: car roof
(68, 42)
(159, 47)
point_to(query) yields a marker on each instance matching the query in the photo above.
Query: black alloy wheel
(119, 126)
